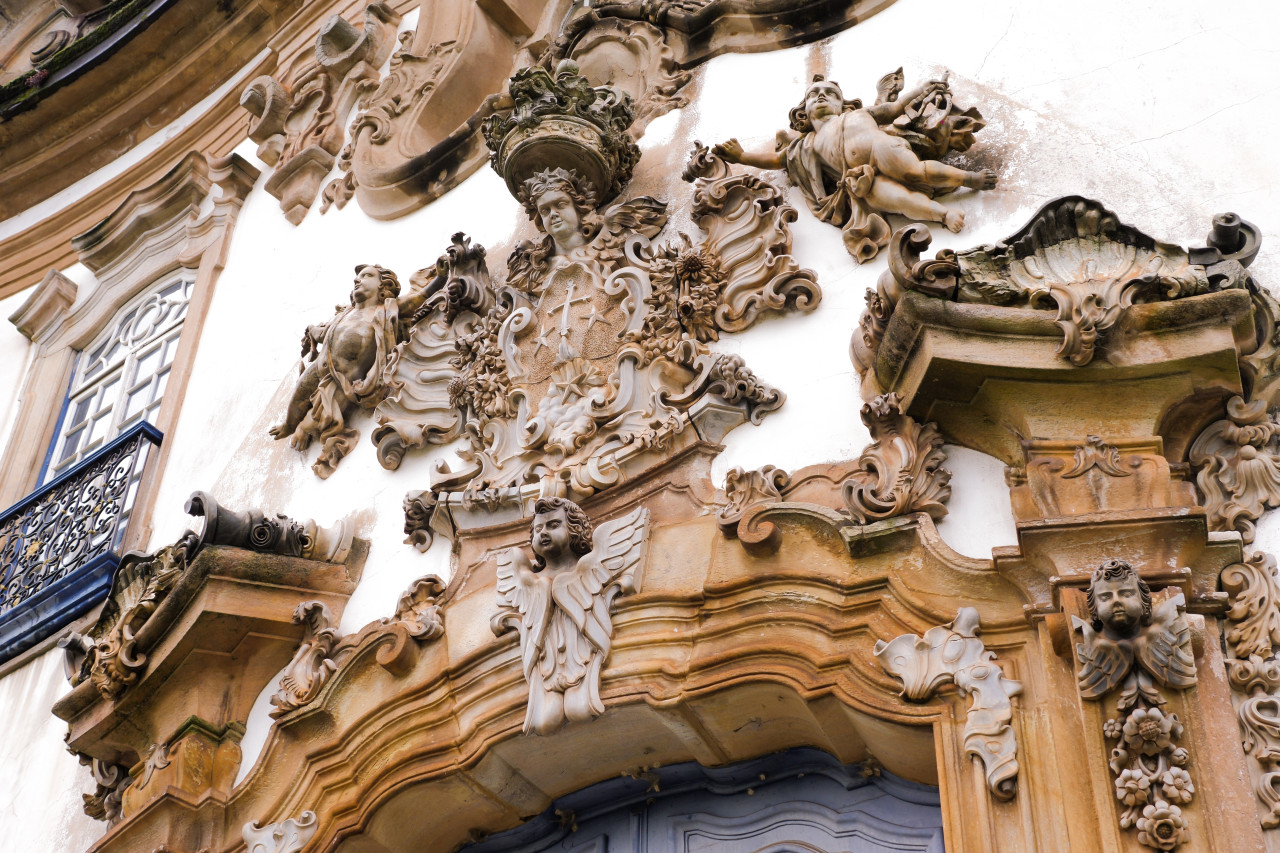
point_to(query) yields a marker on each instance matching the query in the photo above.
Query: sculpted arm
(885, 113)
(762, 158)
(422, 285)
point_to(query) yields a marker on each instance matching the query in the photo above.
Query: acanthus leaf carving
(953, 654)
(1238, 462)
(856, 165)
(1253, 670)
(561, 606)
(287, 836)
(312, 663)
(419, 611)
(1132, 645)
(299, 126)
(110, 782)
(745, 489)
(901, 471)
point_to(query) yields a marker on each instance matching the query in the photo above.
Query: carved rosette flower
(1132, 787)
(901, 471)
(1238, 462)
(1176, 785)
(1162, 826)
(1150, 731)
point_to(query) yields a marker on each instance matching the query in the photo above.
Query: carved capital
(45, 306)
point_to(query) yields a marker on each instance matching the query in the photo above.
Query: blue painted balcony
(60, 545)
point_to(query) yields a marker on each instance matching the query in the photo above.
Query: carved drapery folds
(299, 126)
(1254, 671)
(1074, 257)
(901, 471)
(1238, 462)
(953, 654)
(1132, 645)
(287, 836)
(561, 606)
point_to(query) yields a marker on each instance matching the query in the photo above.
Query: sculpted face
(366, 286)
(551, 535)
(1119, 603)
(823, 100)
(560, 219)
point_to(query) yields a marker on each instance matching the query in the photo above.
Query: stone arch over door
(797, 801)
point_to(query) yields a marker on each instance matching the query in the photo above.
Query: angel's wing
(615, 561)
(1104, 663)
(1164, 647)
(524, 591)
(643, 215)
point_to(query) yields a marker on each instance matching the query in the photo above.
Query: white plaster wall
(15, 356)
(40, 804)
(1157, 109)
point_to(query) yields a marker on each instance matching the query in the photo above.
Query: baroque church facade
(718, 425)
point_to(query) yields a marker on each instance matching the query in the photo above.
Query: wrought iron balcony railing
(59, 546)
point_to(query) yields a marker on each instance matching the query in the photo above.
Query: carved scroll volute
(634, 57)
(299, 127)
(312, 664)
(748, 226)
(1238, 462)
(906, 271)
(287, 836)
(1254, 672)
(953, 654)
(901, 471)
(744, 490)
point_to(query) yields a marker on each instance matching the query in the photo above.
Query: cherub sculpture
(853, 163)
(348, 358)
(561, 606)
(1125, 628)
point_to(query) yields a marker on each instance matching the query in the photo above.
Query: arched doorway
(799, 801)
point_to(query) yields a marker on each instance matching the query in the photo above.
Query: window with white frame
(120, 378)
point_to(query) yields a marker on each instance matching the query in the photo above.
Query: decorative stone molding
(45, 306)
(419, 134)
(299, 127)
(311, 665)
(1131, 645)
(561, 605)
(111, 781)
(1238, 462)
(287, 836)
(901, 471)
(856, 165)
(1254, 672)
(953, 654)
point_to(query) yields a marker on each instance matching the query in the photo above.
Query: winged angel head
(561, 604)
(1129, 642)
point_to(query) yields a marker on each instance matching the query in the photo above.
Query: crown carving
(558, 119)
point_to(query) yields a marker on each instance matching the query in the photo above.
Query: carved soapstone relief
(299, 125)
(349, 362)
(287, 836)
(1238, 466)
(1132, 645)
(901, 471)
(953, 654)
(561, 606)
(857, 164)
(108, 654)
(323, 652)
(1254, 671)
(1074, 257)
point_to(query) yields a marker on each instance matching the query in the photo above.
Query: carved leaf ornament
(1238, 462)
(901, 471)
(953, 654)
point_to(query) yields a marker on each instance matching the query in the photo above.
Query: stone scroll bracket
(953, 654)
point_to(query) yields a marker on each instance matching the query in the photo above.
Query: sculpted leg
(300, 402)
(892, 197)
(901, 163)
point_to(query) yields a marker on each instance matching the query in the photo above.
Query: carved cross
(565, 308)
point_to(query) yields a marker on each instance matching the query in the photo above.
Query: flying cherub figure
(348, 357)
(561, 603)
(855, 163)
(1123, 629)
